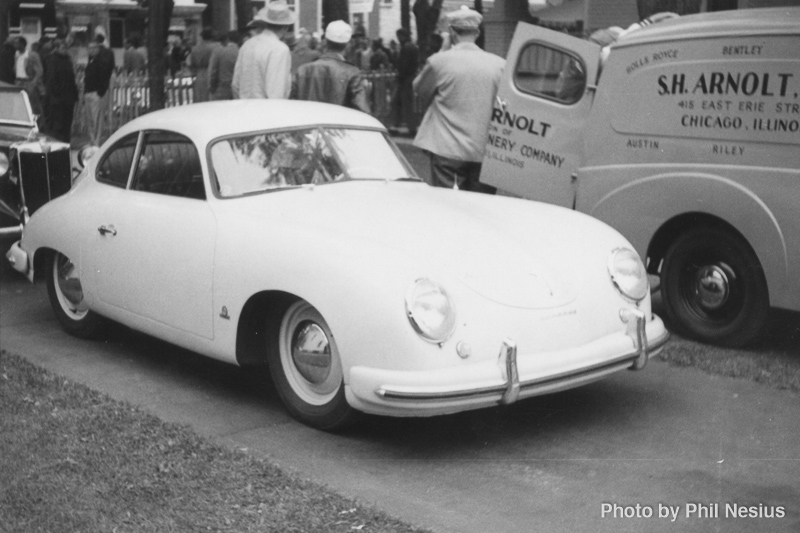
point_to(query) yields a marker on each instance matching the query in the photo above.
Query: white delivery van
(685, 138)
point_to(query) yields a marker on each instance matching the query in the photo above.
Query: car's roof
(738, 23)
(208, 120)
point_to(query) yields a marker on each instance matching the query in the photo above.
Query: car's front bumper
(506, 379)
(18, 258)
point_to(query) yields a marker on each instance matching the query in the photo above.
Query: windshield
(14, 109)
(256, 162)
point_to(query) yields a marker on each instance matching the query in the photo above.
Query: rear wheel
(714, 288)
(66, 297)
(307, 370)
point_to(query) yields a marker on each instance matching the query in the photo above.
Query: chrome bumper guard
(510, 390)
(11, 231)
(18, 259)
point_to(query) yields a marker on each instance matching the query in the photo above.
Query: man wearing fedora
(458, 87)
(263, 66)
(330, 78)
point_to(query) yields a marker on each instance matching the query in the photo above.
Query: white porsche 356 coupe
(296, 235)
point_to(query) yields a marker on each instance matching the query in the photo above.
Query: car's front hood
(514, 252)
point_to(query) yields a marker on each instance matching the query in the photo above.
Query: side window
(115, 167)
(549, 73)
(169, 164)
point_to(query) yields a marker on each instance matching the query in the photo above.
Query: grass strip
(774, 368)
(73, 459)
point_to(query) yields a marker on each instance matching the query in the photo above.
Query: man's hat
(276, 13)
(464, 19)
(338, 31)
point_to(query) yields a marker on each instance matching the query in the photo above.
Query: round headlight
(3, 164)
(628, 274)
(430, 311)
(86, 153)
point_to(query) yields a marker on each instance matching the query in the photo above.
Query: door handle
(103, 230)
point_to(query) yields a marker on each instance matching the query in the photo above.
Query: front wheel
(306, 369)
(714, 289)
(66, 298)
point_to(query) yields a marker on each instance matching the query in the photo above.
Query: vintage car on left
(296, 235)
(34, 168)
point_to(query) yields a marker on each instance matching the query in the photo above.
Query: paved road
(664, 436)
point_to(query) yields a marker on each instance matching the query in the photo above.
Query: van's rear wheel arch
(673, 229)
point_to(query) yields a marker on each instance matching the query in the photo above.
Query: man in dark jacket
(221, 66)
(97, 78)
(330, 78)
(61, 92)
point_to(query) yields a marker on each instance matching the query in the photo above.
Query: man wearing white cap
(263, 67)
(330, 78)
(458, 88)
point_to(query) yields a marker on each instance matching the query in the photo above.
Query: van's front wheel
(713, 288)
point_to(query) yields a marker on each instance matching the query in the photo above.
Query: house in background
(582, 17)
(79, 20)
(31, 20)
(121, 19)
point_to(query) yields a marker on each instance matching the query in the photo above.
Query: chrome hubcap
(712, 286)
(68, 282)
(311, 352)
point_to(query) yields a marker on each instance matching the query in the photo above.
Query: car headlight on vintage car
(430, 311)
(628, 274)
(3, 164)
(86, 153)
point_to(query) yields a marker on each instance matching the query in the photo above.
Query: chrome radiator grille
(43, 176)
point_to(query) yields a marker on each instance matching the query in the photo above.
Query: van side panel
(707, 125)
(726, 101)
(638, 200)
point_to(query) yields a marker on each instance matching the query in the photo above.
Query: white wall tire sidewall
(309, 393)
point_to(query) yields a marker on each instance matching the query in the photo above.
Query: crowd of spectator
(47, 69)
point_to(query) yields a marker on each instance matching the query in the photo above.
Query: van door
(540, 113)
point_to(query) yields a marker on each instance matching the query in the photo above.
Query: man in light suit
(458, 88)
(263, 66)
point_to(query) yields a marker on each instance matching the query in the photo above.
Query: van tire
(731, 307)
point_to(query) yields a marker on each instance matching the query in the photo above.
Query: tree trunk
(427, 17)
(159, 13)
(405, 14)
(335, 10)
(482, 37)
(243, 15)
(5, 15)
